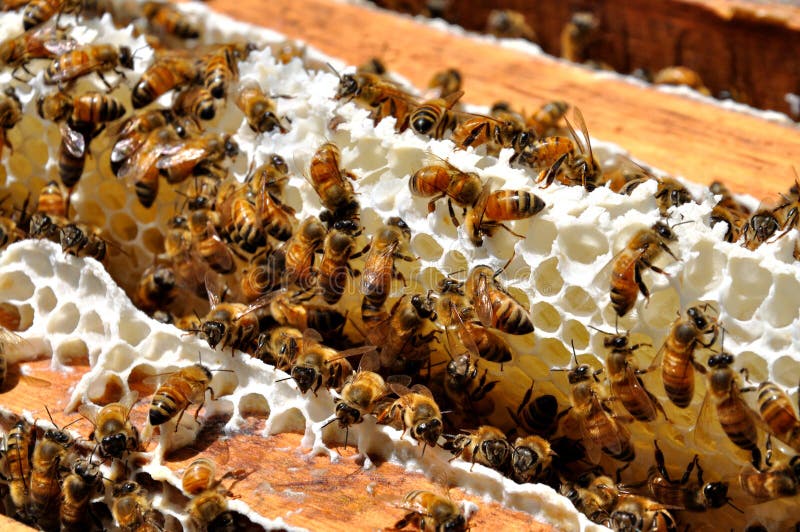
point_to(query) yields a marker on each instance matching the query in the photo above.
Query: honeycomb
(72, 308)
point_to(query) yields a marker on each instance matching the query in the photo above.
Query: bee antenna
(424, 445)
(728, 501)
(599, 330)
(68, 424)
(334, 70)
(346, 435)
(681, 223)
(326, 424)
(222, 370)
(574, 354)
(290, 378)
(50, 416)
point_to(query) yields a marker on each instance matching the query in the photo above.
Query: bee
(36, 43)
(360, 394)
(228, 324)
(598, 425)
(141, 169)
(10, 115)
(626, 385)
(72, 153)
(157, 288)
(287, 310)
(279, 346)
(491, 209)
(383, 97)
(446, 82)
(334, 268)
(194, 101)
(494, 306)
(221, 67)
(681, 75)
(486, 446)
(386, 245)
(776, 410)
(81, 240)
(545, 119)
(317, 365)
(729, 211)
(277, 219)
(133, 133)
(774, 482)
(77, 489)
(330, 181)
(531, 458)
(43, 226)
(52, 201)
(208, 507)
(466, 391)
(684, 494)
(186, 386)
(671, 193)
(131, 508)
(179, 160)
(496, 133)
(113, 429)
(241, 221)
(634, 512)
(639, 253)
(441, 180)
(259, 110)
(538, 415)
(569, 166)
(87, 59)
(165, 19)
(374, 65)
(577, 35)
(430, 512)
(263, 276)
(18, 465)
(509, 24)
(760, 227)
(167, 72)
(271, 175)
(300, 251)
(593, 495)
(417, 410)
(84, 112)
(735, 417)
(49, 454)
(676, 356)
(435, 118)
(38, 12)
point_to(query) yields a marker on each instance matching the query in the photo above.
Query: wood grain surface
(683, 136)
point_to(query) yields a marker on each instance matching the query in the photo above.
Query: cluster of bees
(240, 245)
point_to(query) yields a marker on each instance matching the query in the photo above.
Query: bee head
(214, 331)
(304, 377)
(716, 494)
(114, 445)
(428, 432)
(347, 415)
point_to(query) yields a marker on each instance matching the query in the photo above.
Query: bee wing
(125, 147)
(706, 424)
(399, 389)
(311, 336)
(458, 323)
(74, 141)
(213, 285)
(422, 390)
(370, 361)
(372, 276)
(129, 399)
(452, 99)
(179, 154)
(36, 382)
(58, 45)
(483, 303)
(402, 380)
(587, 148)
(89, 411)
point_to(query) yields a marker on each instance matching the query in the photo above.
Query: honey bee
(360, 394)
(494, 306)
(84, 112)
(486, 446)
(156, 289)
(545, 119)
(317, 365)
(577, 35)
(165, 19)
(81, 240)
(334, 268)
(776, 410)
(684, 494)
(626, 385)
(208, 508)
(509, 24)
(85, 60)
(279, 346)
(167, 72)
(271, 175)
(634, 512)
(276, 218)
(113, 429)
(373, 65)
(430, 512)
(671, 193)
(140, 169)
(639, 253)
(133, 133)
(386, 245)
(446, 82)
(477, 130)
(179, 160)
(288, 310)
(491, 209)
(593, 495)
(49, 454)
(52, 201)
(38, 12)
(760, 227)
(466, 391)
(538, 415)
(263, 276)
(681, 75)
(729, 211)
(417, 410)
(774, 482)
(735, 417)
(531, 458)
(598, 425)
(435, 118)
(300, 251)
(18, 465)
(36, 43)
(131, 508)
(221, 67)
(330, 181)
(383, 97)
(186, 386)
(43, 226)
(259, 110)
(72, 153)
(77, 489)
(677, 354)
(241, 221)
(195, 101)
(569, 166)
(229, 324)
(441, 180)
(10, 115)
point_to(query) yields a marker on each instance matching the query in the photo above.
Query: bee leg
(699, 367)
(452, 213)
(756, 453)
(619, 472)
(105, 81)
(178, 421)
(657, 404)
(637, 276)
